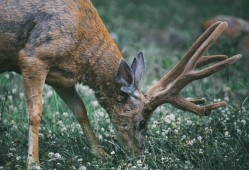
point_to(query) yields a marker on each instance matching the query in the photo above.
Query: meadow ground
(163, 30)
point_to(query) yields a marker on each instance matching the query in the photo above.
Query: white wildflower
(243, 122)
(14, 90)
(189, 122)
(226, 99)
(82, 167)
(63, 129)
(79, 160)
(65, 114)
(155, 122)
(95, 103)
(183, 137)
(134, 167)
(60, 122)
(37, 167)
(208, 130)
(58, 156)
(21, 94)
(49, 93)
(41, 135)
(227, 134)
(191, 142)
(10, 154)
(139, 163)
(50, 154)
(169, 118)
(111, 130)
(199, 138)
(12, 149)
(163, 159)
(100, 113)
(165, 132)
(10, 97)
(100, 137)
(153, 126)
(18, 158)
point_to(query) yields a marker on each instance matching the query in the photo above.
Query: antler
(168, 88)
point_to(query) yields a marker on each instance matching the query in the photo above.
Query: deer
(65, 42)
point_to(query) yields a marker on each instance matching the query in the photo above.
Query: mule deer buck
(63, 42)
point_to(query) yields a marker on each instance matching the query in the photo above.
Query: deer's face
(130, 121)
(131, 124)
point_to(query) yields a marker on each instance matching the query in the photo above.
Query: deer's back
(32, 22)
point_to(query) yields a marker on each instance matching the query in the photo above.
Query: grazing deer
(63, 42)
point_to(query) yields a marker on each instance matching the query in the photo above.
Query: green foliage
(176, 139)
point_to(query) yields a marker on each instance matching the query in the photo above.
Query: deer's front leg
(74, 102)
(34, 75)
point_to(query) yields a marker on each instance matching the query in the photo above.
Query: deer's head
(136, 108)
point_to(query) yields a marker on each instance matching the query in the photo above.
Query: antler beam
(168, 88)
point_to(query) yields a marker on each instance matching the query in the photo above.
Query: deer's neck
(101, 67)
(99, 56)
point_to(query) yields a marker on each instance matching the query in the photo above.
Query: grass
(176, 139)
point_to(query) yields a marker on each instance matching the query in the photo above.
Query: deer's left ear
(138, 69)
(125, 77)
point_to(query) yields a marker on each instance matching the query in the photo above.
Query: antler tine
(205, 45)
(199, 74)
(181, 82)
(179, 68)
(204, 60)
(197, 101)
(184, 72)
(183, 104)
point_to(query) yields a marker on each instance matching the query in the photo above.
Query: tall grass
(176, 139)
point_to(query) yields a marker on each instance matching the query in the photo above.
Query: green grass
(176, 139)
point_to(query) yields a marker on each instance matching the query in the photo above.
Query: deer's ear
(125, 77)
(138, 68)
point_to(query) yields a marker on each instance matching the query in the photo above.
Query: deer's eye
(142, 125)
